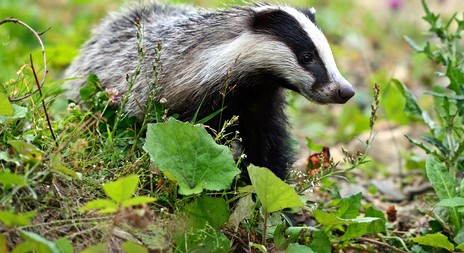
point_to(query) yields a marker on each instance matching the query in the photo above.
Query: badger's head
(297, 52)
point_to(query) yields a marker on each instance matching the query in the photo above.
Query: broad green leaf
(64, 245)
(39, 244)
(11, 219)
(273, 193)
(137, 201)
(441, 180)
(27, 150)
(207, 210)
(459, 237)
(8, 178)
(349, 206)
(297, 248)
(280, 240)
(320, 243)
(378, 225)
(19, 112)
(56, 164)
(5, 106)
(207, 239)
(435, 240)
(328, 219)
(460, 247)
(452, 202)
(190, 155)
(103, 205)
(99, 248)
(355, 230)
(122, 189)
(132, 247)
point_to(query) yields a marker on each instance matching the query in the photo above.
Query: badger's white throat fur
(239, 60)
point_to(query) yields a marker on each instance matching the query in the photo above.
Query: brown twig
(386, 245)
(243, 243)
(37, 36)
(39, 88)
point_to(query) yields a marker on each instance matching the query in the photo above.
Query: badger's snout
(344, 94)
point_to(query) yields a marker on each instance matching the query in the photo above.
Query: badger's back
(184, 34)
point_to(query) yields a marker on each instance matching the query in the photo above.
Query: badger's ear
(272, 21)
(309, 13)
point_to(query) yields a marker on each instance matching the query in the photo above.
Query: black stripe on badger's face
(287, 29)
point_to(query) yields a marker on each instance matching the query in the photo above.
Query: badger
(240, 60)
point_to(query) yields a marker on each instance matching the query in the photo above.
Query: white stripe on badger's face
(321, 43)
(325, 53)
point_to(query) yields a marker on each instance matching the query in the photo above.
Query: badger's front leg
(263, 129)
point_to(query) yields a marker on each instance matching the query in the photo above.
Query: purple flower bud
(395, 4)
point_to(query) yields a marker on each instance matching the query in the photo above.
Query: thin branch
(382, 244)
(37, 36)
(39, 88)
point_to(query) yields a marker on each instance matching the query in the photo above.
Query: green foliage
(190, 155)
(273, 193)
(445, 143)
(435, 240)
(345, 219)
(120, 193)
(206, 211)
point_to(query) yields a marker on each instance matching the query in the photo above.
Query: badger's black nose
(344, 94)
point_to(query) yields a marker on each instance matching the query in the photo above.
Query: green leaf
(348, 207)
(412, 108)
(377, 226)
(132, 247)
(435, 240)
(280, 240)
(202, 240)
(190, 154)
(320, 243)
(460, 247)
(297, 248)
(8, 178)
(19, 112)
(441, 180)
(11, 219)
(122, 189)
(5, 106)
(27, 150)
(273, 193)
(413, 44)
(3, 244)
(56, 164)
(137, 201)
(207, 210)
(64, 245)
(452, 202)
(99, 248)
(355, 230)
(103, 205)
(328, 219)
(243, 210)
(459, 237)
(39, 244)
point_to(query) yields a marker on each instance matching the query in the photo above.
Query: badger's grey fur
(257, 51)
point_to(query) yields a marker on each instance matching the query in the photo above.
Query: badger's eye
(306, 58)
